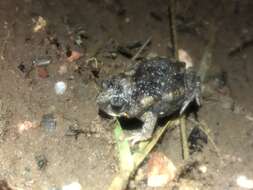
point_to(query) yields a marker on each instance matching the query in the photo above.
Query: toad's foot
(195, 96)
(138, 137)
(192, 89)
(149, 119)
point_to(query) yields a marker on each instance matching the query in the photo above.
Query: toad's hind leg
(192, 89)
(149, 119)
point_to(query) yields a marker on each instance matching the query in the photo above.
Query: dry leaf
(160, 171)
(40, 24)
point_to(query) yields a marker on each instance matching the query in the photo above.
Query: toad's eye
(117, 103)
(116, 108)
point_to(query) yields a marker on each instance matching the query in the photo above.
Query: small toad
(154, 88)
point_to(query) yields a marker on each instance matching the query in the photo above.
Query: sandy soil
(42, 158)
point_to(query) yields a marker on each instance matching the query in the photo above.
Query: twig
(173, 30)
(127, 169)
(4, 45)
(140, 156)
(206, 59)
(126, 162)
(92, 59)
(141, 49)
(184, 139)
(245, 44)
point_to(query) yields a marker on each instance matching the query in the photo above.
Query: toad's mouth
(109, 110)
(114, 114)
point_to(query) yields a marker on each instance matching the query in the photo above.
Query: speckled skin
(155, 88)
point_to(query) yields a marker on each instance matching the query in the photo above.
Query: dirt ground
(80, 148)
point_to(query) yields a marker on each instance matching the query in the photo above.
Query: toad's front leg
(149, 120)
(192, 89)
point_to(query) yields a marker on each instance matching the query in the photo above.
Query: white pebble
(60, 87)
(203, 169)
(244, 182)
(72, 186)
(127, 19)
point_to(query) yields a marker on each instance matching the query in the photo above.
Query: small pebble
(42, 72)
(60, 87)
(63, 69)
(186, 184)
(72, 186)
(202, 169)
(127, 19)
(21, 67)
(227, 103)
(41, 161)
(48, 122)
(74, 56)
(243, 182)
(197, 140)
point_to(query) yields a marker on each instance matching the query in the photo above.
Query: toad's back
(158, 76)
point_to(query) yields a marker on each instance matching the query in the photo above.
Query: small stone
(140, 175)
(227, 103)
(186, 184)
(74, 56)
(48, 122)
(197, 140)
(245, 31)
(244, 56)
(21, 67)
(243, 182)
(60, 87)
(202, 169)
(110, 55)
(72, 186)
(42, 72)
(63, 69)
(127, 20)
(132, 184)
(238, 109)
(41, 161)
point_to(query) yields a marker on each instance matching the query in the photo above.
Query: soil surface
(49, 140)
